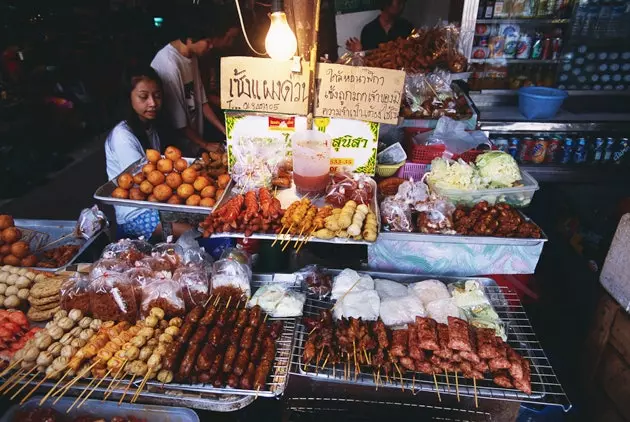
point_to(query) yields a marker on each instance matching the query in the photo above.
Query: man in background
(387, 26)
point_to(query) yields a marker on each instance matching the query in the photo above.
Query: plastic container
(387, 170)
(413, 171)
(537, 102)
(107, 410)
(518, 197)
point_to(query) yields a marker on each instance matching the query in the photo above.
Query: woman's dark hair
(139, 128)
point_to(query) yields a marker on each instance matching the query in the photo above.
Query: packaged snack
(139, 277)
(75, 293)
(315, 281)
(194, 284)
(349, 186)
(278, 301)
(171, 252)
(155, 263)
(229, 273)
(396, 215)
(112, 298)
(130, 250)
(108, 266)
(165, 294)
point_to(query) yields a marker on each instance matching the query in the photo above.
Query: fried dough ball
(120, 193)
(223, 180)
(181, 165)
(152, 198)
(174, 200)
(11, 235)
(138, 178)
(125, 181)
(146, 187)
(207, 202)
(20, 249)
(156, 177)
(200, 183)
(5, 250)
(193, 200)
(11, 260)
(219, 193)
(172, 153)
(174, 180)
(148, 168)
(162, 192)
(29, 261)
(185, 190)
(6, 221)
(165, 165)
(153, 155)
(189, 175)
(208, 192)
(137, 195)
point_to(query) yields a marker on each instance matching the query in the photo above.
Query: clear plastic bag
(130, 250)
(194, 284)
(349, 186)
(155, 263)
(108, 266)
(435, 215)
(278, 301)
(315, 281)
(171, 252)
(75, 293)
(139, 277)
(165, 294)
(412, 191)
(454, 135)
(113, 298)
(396, 215)
(231, 274)
(90, 221)
(256, 161)
(237, 254)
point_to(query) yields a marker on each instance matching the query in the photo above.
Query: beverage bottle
(498, 9)
(567, 151)
(551, 7)
(596, 151)
(580, 17)
(481, 11)
(513, 147)
(590, 21)
(541, 10)
(537, 46)
(601, 27)
(489, 9)
(501, 143)
(579, 156)
(616, 21)
(609, 150)
(621, 151)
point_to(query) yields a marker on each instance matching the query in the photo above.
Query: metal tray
(104, 194)
(55, 229)
(546, 388)
(287, 197)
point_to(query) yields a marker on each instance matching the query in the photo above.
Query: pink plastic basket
(413, 171)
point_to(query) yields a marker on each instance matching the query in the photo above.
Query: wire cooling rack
(546, 389)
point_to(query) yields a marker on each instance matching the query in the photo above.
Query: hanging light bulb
(280, 42)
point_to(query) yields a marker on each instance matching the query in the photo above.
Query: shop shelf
(535, 21)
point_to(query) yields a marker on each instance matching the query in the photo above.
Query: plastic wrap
(231, 273)
(397, 311)
(454, 136)
(256, 161)
(155, 263)
(194, 284)
(396, 215)
(112, 298)
(358, 304)
(349, 186)
(435, 216)
(315, 281)
(139, 277)
(90, 221)
(239, 255)
(165, 294)
(75, 293)
(430, 290)
(441, 309)
(171, 252)
(389, 288)
(130, 250)
(469, 294)
(108, 266)
(429, 96)
(350, 281)
(278, 301)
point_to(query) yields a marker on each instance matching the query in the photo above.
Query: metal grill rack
(546, 389)
(364, 410)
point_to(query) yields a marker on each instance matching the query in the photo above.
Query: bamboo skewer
(278, 235)
(12, 378)
(42, 401)
(257, 391)
(11, 366)
(115, 385)
(30, 393)
(413, 384)
(308, 239)
(78, 399)
(402, 383)
(74, 381)
(437, 390)
(21, 388)
(298, 237)
(448, 384)
(126, 389)
(228, 302)
(475, 388)
(122, 365)
(325, 360)
(457, 385)
(144, 381)
(19, 379)
(218, 299)
(94, 389)
(288, 235)
(207, 301)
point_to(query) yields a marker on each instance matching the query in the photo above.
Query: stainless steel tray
(287, 197)
(56, 229)
(546, 388)
(104, 194)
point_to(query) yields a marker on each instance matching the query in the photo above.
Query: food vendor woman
(387, 26)
(127, 143)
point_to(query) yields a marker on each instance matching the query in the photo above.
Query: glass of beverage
(311, 161)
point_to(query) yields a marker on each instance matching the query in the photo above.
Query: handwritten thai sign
(359, 93)
(263, 85)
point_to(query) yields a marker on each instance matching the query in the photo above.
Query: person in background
(185, 99)
(387, 26)
(142, 129)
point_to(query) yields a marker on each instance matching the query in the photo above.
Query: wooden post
(313, 67)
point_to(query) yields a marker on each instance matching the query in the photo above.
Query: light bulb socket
(277, 6)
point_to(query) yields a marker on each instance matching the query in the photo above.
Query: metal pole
(313, 68)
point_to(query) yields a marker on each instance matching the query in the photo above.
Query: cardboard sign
(354, 142)
(264, 85)
(359, 93)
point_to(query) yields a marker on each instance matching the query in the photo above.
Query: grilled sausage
(209, 316)
(247, 338)
(247, 381)
(241, 362)
(189, 360)
(241, 320)
(195, 314)
(206, 357)
(233, 381)
(230, 355)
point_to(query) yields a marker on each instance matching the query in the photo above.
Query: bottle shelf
(525, 20)
(511, 61)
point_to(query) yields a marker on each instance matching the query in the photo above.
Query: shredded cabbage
(499, 167)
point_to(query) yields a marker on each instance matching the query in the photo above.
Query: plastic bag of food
(430, 290)
(454, 135)
(237, 254)
(113, 298)
(90, 221)
(435, 216)
(361, 304)
(139, 277)
(315, 281)
(397, 311)
(388, 288)
(108, 266)
(441, 309)
(171, 252)
(155, 263)
(130, 250)
(194, 283)
(349, 186)
(469, 294)
(278, 301)
(75, 293)
(229, 274)
(165, 294)
(350, 281)
(412, 191)
(256, 160)
(396, 215)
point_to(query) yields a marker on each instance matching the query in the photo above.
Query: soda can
(552, 150)
(513, 147)
(556, 47)
(524, 47)
(546, 49)
(609, 150)
(501, 144)
(483, 41)
(539, 150)
(579, 156)
(622, 149)
(537, 47)
(525, 153)
(598, 147)
(567, 151)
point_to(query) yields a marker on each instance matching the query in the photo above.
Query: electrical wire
(240, 17)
